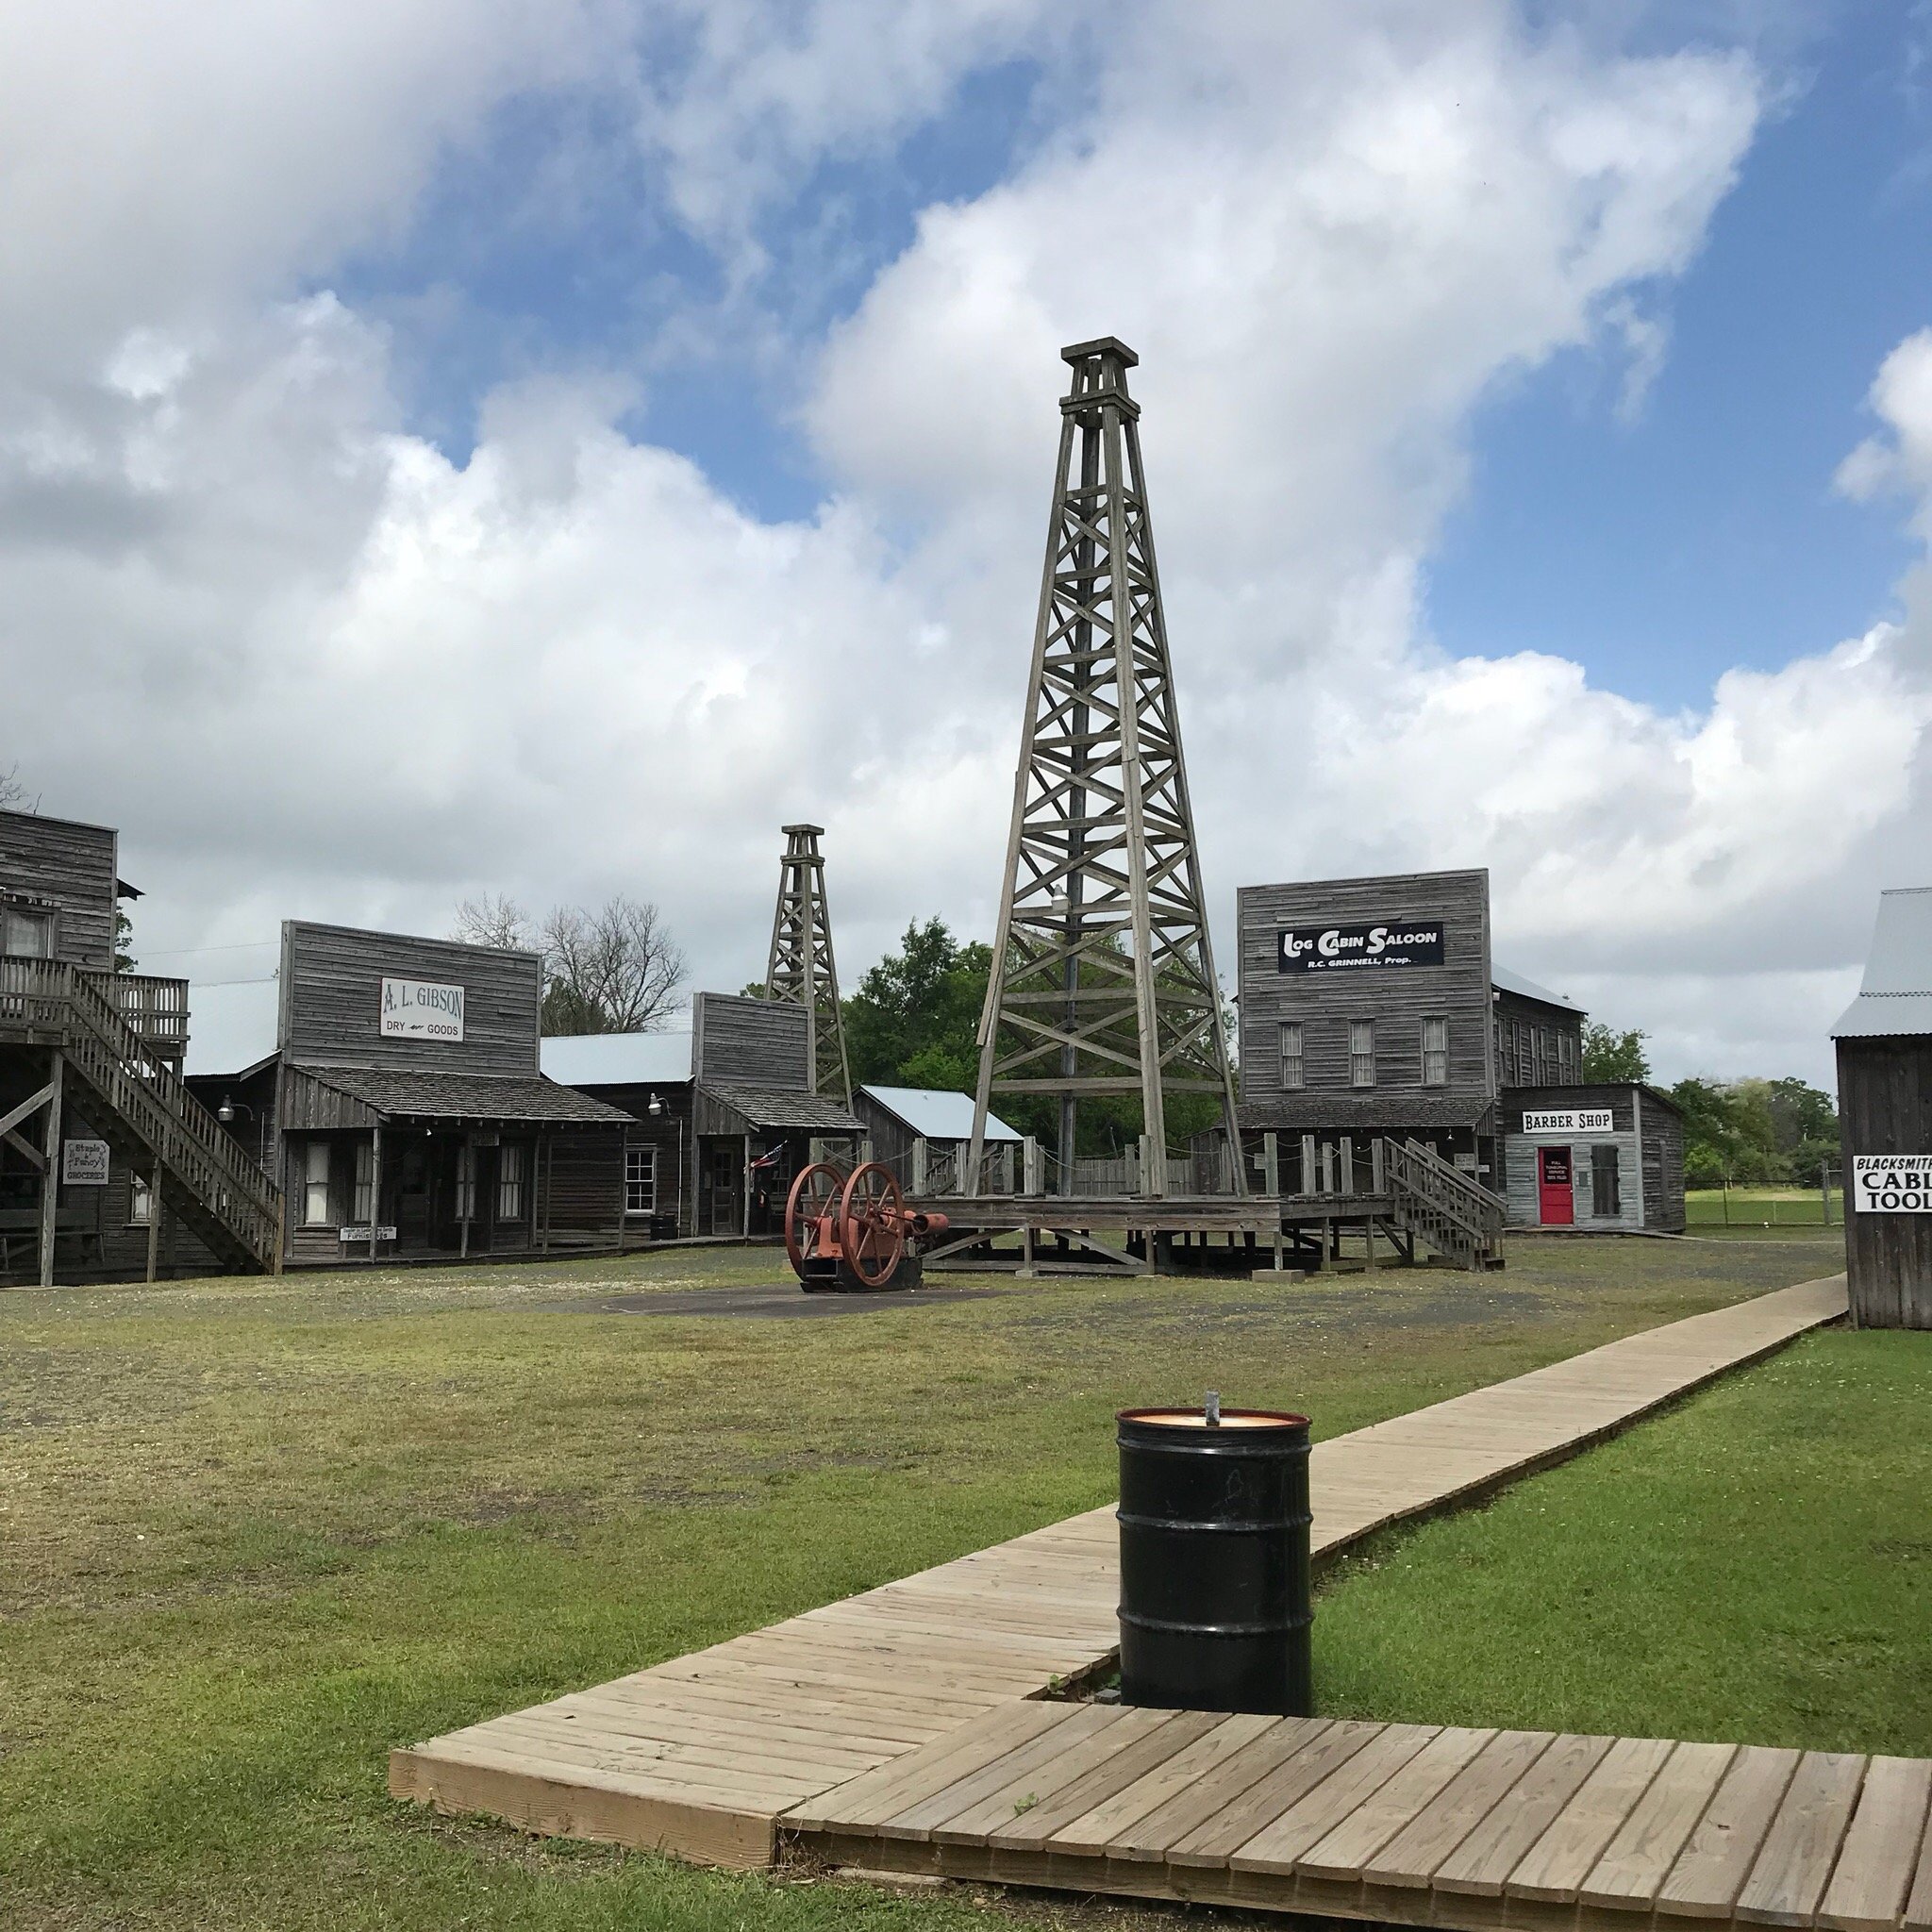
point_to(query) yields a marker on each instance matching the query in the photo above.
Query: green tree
(1612, 1057)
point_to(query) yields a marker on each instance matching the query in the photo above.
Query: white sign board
(366, 1234)
(1892, 1183)
(1574, 1120)
(421, 1009)
(83, 1164)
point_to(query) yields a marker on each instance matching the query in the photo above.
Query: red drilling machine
(854, 1232)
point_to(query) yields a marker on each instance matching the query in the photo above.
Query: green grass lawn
(253, 1533)
(1759, 1207)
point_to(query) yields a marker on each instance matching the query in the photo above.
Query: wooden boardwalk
(704, 1756)
(1414, 1824)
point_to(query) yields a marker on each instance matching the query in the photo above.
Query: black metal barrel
(1215, 1606)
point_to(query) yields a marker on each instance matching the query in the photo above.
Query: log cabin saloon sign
(421, 1009)
(1892, 1183)
(1360, 948)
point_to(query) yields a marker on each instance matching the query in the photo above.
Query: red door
(1556, 1202)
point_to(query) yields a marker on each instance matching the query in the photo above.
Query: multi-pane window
(1361, 1053)
(1292, 1067)
(1605, 1183)
(315, 1183)
(140, 1201)
(365, 1210)
(1435, 1050)
(641, 1180)
(511, 1172)
(466, 1182)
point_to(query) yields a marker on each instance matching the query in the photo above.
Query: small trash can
(1215, 1607)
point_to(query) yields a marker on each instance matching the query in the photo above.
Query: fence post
(1031, 1177)
(919, 1165)
(1824, 1192)
(1727, 1199)
(1271, 1164)
(1310, 1185)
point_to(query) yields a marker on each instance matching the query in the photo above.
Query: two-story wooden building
(107, 1166)
(1374, 1007)
(402, 1105)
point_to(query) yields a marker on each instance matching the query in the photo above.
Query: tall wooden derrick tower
(802, 969)
(1103, 977)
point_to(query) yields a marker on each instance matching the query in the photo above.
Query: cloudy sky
(545, 445)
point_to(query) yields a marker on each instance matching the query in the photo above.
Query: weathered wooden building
(1885, 1118)
(108, 1168)
(725, 1113)
(402, 1106)
(923, 1133)
(1374, 1007)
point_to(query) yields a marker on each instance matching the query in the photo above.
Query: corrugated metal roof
(1895, 995)
(468, 1096)
(1529, 989)
(780, 1107)
(617, 1060)
(936, 1114)
(231, 1028)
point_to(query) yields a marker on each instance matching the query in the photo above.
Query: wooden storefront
(647, 1078)
(1603, 1159)
(1884, 1044)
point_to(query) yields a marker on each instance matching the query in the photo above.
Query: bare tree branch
(13, 792)
(615, 969)
(494, 920)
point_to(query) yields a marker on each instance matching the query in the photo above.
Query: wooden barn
(400, 1106)
(922, 1132)
(647, 1077)
(108, 1168)
(1374, 1007)
(1885, 1115)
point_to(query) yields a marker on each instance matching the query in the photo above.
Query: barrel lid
(1197, 1419)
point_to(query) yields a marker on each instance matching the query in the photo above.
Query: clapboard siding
(1885, 1106)
(1646, 1130)
(310, 1106)
(1537, 1044)
(1663, 1167)
(581, 1187)
(667, 1132)
(749, 1042)
(1397, 1000)
(70, 867)
(332, 987)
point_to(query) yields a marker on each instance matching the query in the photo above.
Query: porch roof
(779, 1106)
(468, 1096)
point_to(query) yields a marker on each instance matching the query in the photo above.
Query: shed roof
(617, 1060)
(936, 1114)
(782, 1107)
(1528, 990)
(1895, 995)
(468, 1096)
(231, 1027)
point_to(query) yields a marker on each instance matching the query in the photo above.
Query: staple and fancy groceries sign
(1892, 1183)
(420, 1009)
(83, 1164)
(1569, 1119)
(1359, 948)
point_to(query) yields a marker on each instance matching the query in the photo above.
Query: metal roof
(617, 1060)
(936, 1114)
(1895, 995)
(468, 1096)
(1528, 990)
(231, 1029)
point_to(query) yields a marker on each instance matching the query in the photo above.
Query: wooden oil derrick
(802, 968)
(1103, 977)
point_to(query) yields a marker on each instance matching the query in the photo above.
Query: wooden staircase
(141, 1107)
(1436, 1203)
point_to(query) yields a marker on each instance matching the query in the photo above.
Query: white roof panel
(1529, 989)
(1895, 995)
(937, 1114)
(617, 1060)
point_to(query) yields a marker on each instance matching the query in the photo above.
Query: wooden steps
(1405, 1823)
(704, 1756)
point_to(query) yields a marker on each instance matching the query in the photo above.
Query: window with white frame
(511, 1171)
(1292, 1065)
(1435, 1050)
(466, 1182)
(1361, 1053)
(315, 1183)
(364, 1209)
(641, 1180)
(140, 1201)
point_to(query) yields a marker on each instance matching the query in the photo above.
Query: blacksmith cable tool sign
(1892, 1183)
(1360, 948)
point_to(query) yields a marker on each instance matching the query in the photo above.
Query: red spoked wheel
(871, 1224)
(814, 1198)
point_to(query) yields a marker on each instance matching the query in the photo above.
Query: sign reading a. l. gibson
(1892, 1183)
(1570, 1120)
(420, 1009)
(1360, 948)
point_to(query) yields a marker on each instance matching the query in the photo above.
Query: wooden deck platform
(1412, 1823)
(706, 1754)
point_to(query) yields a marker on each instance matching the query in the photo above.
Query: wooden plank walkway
(1412, 1823)
(703, 1755)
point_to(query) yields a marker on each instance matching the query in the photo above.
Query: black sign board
(1360, 948)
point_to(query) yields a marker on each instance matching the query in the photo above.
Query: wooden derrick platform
(800, 1734)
